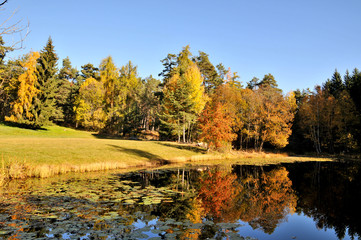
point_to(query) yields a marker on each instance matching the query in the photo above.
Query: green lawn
(54, 150)
(69, 148)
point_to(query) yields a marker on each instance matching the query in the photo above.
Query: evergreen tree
(45, 109)
(334, 86)
(66, 91)
(150, 103)
(268, 80)
(183, 98)
(87, 71)
(253, 83)
(211, 78)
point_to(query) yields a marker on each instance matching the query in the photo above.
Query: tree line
(195, 101)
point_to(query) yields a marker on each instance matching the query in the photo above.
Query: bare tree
(8, 28)
(3, 2)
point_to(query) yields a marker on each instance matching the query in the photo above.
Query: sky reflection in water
(289, 201)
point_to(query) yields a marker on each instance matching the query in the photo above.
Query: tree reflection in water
(185, 203)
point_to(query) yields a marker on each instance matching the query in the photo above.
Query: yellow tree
(273, 115)
(89, 105)
(184, 99)
(26, 91)
(109, 76)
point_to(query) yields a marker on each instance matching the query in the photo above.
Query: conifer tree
(335, 85)
(183, 98)
(66, 91)
(211, 78)
(45, 109)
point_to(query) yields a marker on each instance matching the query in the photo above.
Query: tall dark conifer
(211, 78)
(66, 91)
(45, 109)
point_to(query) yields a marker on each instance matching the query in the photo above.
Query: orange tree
(216, 125)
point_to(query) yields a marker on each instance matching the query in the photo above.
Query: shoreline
(21, 170)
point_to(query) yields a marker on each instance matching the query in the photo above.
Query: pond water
(310, 200)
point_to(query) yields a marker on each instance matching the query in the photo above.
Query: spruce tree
(211, 78)
(66, 91)
(45, 109)
(335, 85)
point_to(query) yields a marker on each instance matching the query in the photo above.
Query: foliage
(45, 109)
(66, 91)
(218, 194)
(216, 125)
(25, 92)
(211, 78)
(89, 105)
(183, 96)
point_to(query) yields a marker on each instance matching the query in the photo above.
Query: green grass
(54, 150)
(66, 149)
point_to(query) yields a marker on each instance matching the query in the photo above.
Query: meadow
(55, 150)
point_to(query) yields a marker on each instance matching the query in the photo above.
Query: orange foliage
(216, 125)
(218, 194)
(268, 199)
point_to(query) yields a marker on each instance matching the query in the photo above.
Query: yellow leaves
(194, 79)
(26, 90)
(89, 105)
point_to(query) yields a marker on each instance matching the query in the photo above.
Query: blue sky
(300, 42)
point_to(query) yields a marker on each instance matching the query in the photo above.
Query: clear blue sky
(300, 42)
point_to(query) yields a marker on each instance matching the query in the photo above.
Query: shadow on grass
(106, 136)
(23, 125)
(140, 153)
(184, 147)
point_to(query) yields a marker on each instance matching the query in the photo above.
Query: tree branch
(3, 3)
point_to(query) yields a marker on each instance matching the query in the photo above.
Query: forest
(191, 101)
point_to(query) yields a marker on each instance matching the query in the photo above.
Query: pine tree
(66, 91)
(211, 78)
(268, 80)
(335, 85)
(45, 109)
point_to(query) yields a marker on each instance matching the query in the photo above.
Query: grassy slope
(57, 150)
(59, 145)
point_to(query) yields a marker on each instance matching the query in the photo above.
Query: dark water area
(309, 200)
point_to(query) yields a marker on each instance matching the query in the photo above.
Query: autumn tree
(89, 105)
(276, 115)
(218, 193)
(26, 91)
(216, 125)
(109, 75)
(266, 199)
(183, 96)
(329, 122)
(130, 87)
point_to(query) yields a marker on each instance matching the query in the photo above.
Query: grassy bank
(56, 150)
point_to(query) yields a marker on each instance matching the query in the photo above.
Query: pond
(309, 200)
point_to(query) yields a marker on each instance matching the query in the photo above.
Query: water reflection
(185, 203)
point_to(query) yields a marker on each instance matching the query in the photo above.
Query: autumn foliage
(216, 125)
